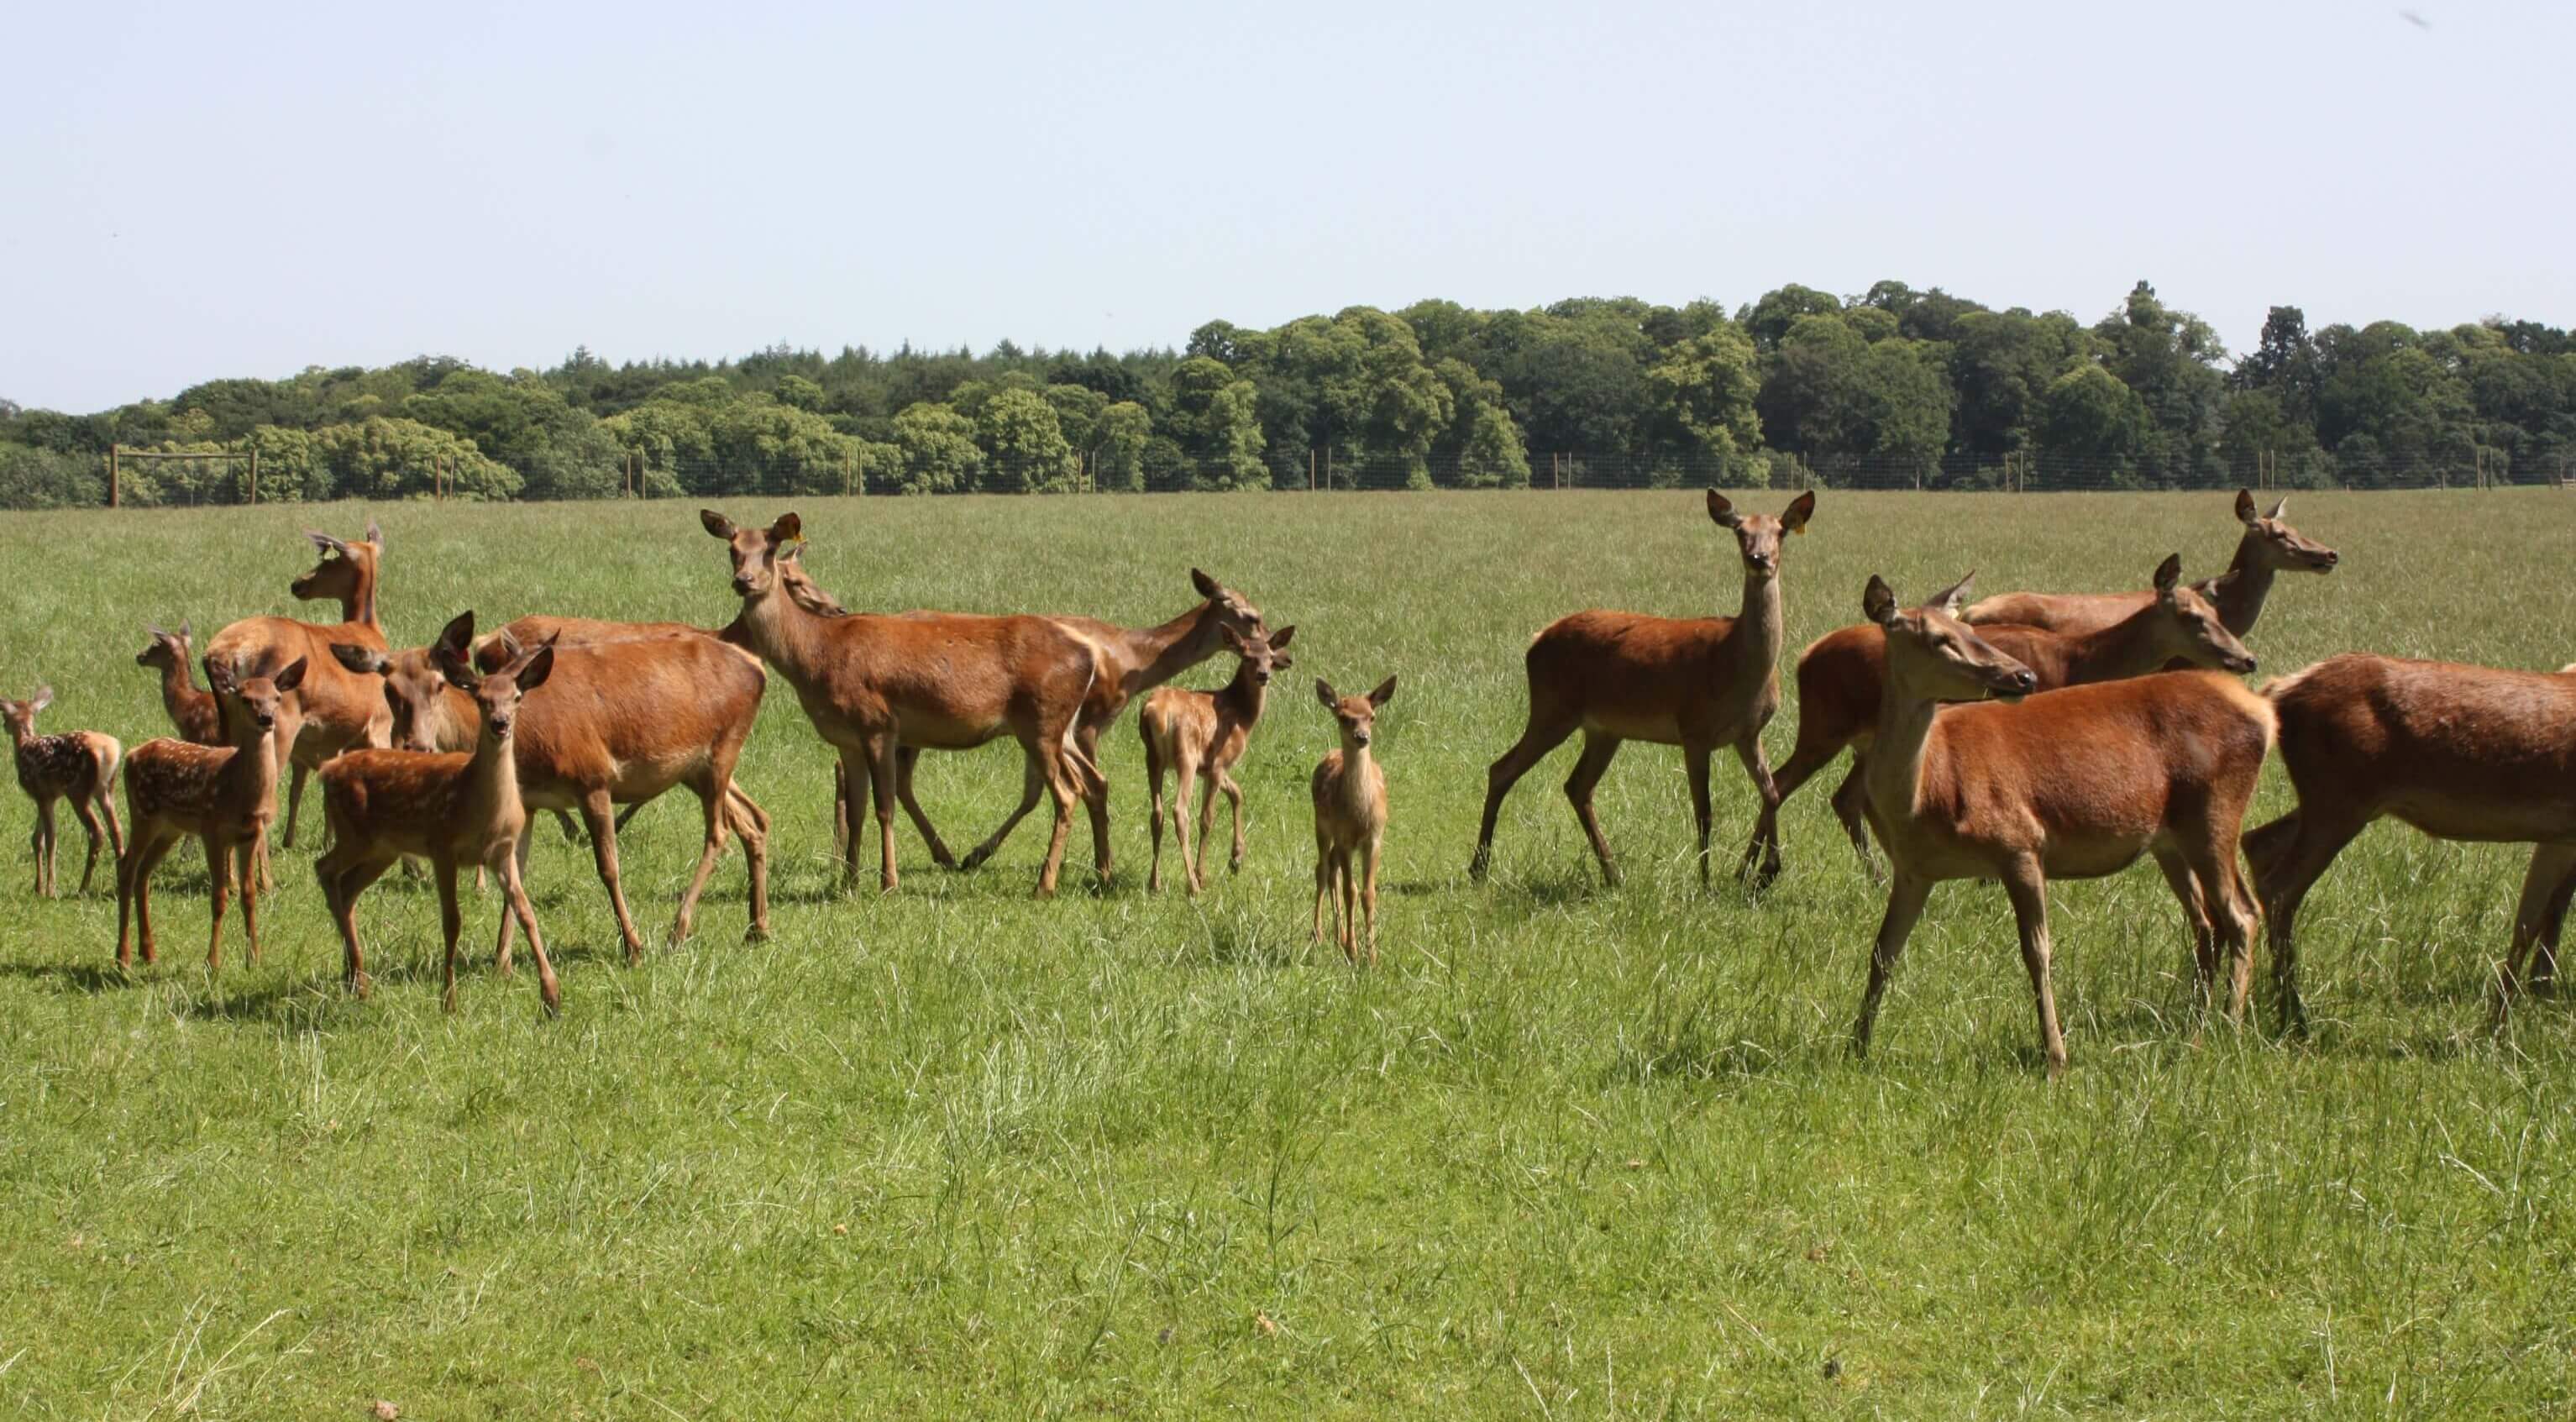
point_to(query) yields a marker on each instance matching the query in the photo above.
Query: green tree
(2093, 425)
(940, 455)
(1710, 383)
(1024, 448)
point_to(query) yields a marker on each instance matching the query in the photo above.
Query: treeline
(1894, 387)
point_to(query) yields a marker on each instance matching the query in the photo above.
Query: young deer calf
(447, 807)
(194, 712)
(1201, 734)
(1350, 815)
(79, 766)
(224, 795)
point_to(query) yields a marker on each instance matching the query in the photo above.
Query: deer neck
(1895, 764)
(2239, 592)
(178, 689)
(1356, 778)
(492, 784)
(2126, 648)
(254, 762)
(774, 629)
(1242, 698)
(1154, 655)
(1759, 626)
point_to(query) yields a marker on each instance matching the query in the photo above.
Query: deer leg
(1757, 768)
(598, 816)
(854, 775)
(548, 990)
(218, 887)
(1033, 788)
(1544, 733)
(840, 809)
(1065, 783)
(2544, 959)
(1234, 799)
(294, 799)
(91, 831)
(1598, 748)
(905, 758)
(1154, 784)
(2204, 951)
(1349, 922)
(133, 870)
(1323, 883)
(343, 880)
(44, 847)
(451, 923)
(2535, 916)
(1186, 773)
(1810, 755)
(1906, 896)
(1207, 827)
(882, 781)
(751, 824)
(1368, 892)
(242, 853)
(1695, 760)
(564, 822)
(288, 735)
(2288, 855)
(143, 897)
(115, 831)
(2024, 881)
(1851, 807)
(712, 796)
(1095, 797)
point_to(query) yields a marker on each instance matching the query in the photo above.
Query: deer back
(2463, 752)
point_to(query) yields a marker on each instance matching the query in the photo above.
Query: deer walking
(1842, 677)
(2069, 784)
(1200, 735)
(2269, 547)
(2471, 753)
(79, 766)
(224, 795)
(1350, 816)
(335, 709)
(449, 808)
(873, 684)
(1696, 683)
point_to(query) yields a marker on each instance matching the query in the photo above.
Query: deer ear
(2168, 574)
(1385, 692)
(1722, 511)
(1954, 598)
(539, 666)
(716, 523)
(1878, 601)
(1800, 510)
(458, 635)
(788, 529)
(43, 698)
(375, 535)
(365, 661)
(186, 632)
(219, 675)
(1206, 585)
(2278, 506)
(1281, 638)
(290, 678)
(1233, 639)
(324, 541)
(1324, 693)
(2245, 506)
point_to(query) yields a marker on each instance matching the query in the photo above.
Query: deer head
(496, 694)
(2187, 624)
(1933, 654)
(1757, 536)
(1234, 611)
(344, 567)
(251, 702)
(755, 551)
(2279, 546)
(1356, 715)
(1263, 655)
(168, 651)
(21, 715)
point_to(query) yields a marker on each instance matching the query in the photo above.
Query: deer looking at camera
(335, 709)
(1696, 683)
(449, 808)
(224, 795)
(1200, 735)
(938, 681)
(2479, 754)
(79, 766)
(1842, 677)
(2070, 784)
(1350, 816)
(2269, 547)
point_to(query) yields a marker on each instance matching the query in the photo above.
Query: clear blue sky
(191, 191)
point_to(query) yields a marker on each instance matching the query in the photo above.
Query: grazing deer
(1200, 735)
(1696, 683)
(336, 709)
(193, 712)
(79, 766)
(224, 795)
(2470, 753)
(1131, 660)
(943, 682)
(446, 807)
(618, 723)
(1350, 816)
(2071, 784)
(2269, 547)
(1842, 676)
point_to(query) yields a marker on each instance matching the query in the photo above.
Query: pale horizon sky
(198, 192)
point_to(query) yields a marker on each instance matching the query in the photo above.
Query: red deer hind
(2269, 547)
(1696, 683)
(335, 709)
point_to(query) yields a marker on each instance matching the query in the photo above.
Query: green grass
(1566, 1153)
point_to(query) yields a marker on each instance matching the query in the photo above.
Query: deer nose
(741, 585)
(2025, 681)
(2332, 558)
(2242, 666)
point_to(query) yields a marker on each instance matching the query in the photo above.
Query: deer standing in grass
(79, 766)
(336, 708)
(874, 684)
(2070, 784)
(1200, 735)
(1696, 683)
(1350, 816)
(224, 795)
(447, 807)
(196, 714)
(2269, 547)
(2471, 753)
(618, 723)
(1842, 677)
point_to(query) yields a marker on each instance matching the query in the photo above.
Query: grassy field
(1568, 1152)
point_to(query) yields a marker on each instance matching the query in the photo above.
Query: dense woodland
(1891, 388)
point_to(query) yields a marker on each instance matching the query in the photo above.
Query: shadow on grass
(86, 977)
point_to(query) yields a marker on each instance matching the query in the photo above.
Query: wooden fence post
(111, 476)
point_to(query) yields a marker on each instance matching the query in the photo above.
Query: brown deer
(193, 712)
(1132, 661)
(2070, 784)
(943, 682)
(336, 708)
(224, 795)
(449, 808)
(2480, 754)
(1697, 683)
(79, 766)
(1201, 735)
(1842, 675)
(618, 723)
(2269, 547)
(1350, 816)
